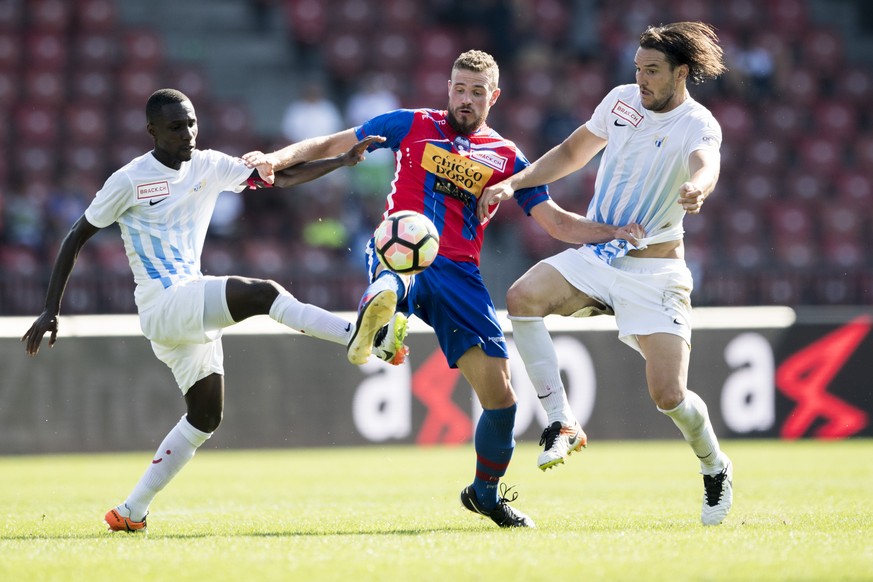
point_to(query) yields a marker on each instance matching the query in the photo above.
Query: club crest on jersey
(628, 113)
(462, 143)
(152, 190)
(659, 141)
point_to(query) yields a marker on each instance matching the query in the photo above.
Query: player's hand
(265, 164)
(691, 197)
(45, 322)
(356, 154)
(490, 200)
(632, 233)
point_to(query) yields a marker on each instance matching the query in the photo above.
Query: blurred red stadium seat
(800, 86)
(34, 160)
(36, 124)
(142, 48)
(189, 80)
(95, 85)
(395, 52)
(9, 82)
(49, 15)
(837, 119)
(735, 119)
(84, 159)
(854, 85)
(96, 15)
(783, 121)
(822, 48)
(801, 184)
(86, 123)
(400, 16)
(788, 17)
(96, 49)
(45, 49)
(355, 16)
(10, 50)
(137, 84)
(346, 53)
(822, 154)
(856, 186)
(307, 20)
(45, 86)
(438, 49)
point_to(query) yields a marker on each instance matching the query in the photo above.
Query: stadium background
(789, 224)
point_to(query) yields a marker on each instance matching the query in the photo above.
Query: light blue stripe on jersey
(150, 268)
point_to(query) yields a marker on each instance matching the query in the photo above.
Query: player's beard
(465, 129)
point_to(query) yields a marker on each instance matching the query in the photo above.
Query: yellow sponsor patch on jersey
(459, 170)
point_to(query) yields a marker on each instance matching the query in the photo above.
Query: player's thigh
(667, 357)
(542, 291)
(489, 377)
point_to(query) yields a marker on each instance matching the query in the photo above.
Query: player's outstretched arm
(576, 229)
(567, 157)
(47, 321)
(308, 171)
(303, 151)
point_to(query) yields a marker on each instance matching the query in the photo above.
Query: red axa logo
(806, 376)
(433, 384)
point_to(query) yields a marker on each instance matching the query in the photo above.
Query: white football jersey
(164, 214)
(644, 164)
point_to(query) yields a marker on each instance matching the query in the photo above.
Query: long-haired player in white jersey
(661, 160)
(163, 202)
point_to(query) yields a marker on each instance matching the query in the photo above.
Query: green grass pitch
(617, 511)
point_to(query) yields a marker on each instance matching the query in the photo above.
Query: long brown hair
(688, 43)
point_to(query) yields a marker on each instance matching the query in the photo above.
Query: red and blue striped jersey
(441, 174)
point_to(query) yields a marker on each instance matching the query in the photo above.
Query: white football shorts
(174, 325)
(648, 295)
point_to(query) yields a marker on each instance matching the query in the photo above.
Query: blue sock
(494, 442)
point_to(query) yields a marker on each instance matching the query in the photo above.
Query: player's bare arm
(307, 171)
(574, 228)
(567, 157)
(304, 151)
(704, 166)
(47, 321)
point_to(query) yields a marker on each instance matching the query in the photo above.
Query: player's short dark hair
(160, 98)
(688, 43)
(480, 62)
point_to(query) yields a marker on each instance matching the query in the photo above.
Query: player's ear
(151, 129)
(494, 96)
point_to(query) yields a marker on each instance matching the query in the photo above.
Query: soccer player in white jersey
(163, 202)
(661, 160)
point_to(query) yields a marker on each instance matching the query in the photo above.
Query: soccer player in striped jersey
(444, 160)
(660, 160)
(163, 202)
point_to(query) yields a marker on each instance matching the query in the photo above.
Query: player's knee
(248, 297)
(205, 418)
(517, 299)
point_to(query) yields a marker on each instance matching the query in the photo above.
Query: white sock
(177, 448)
(537, 351)
(311, 320)
(692, 418)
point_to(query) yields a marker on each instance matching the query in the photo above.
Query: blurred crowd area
(790, 222)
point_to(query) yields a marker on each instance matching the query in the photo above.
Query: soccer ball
(407, 242)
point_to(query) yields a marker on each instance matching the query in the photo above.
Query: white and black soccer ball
(407, 242)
